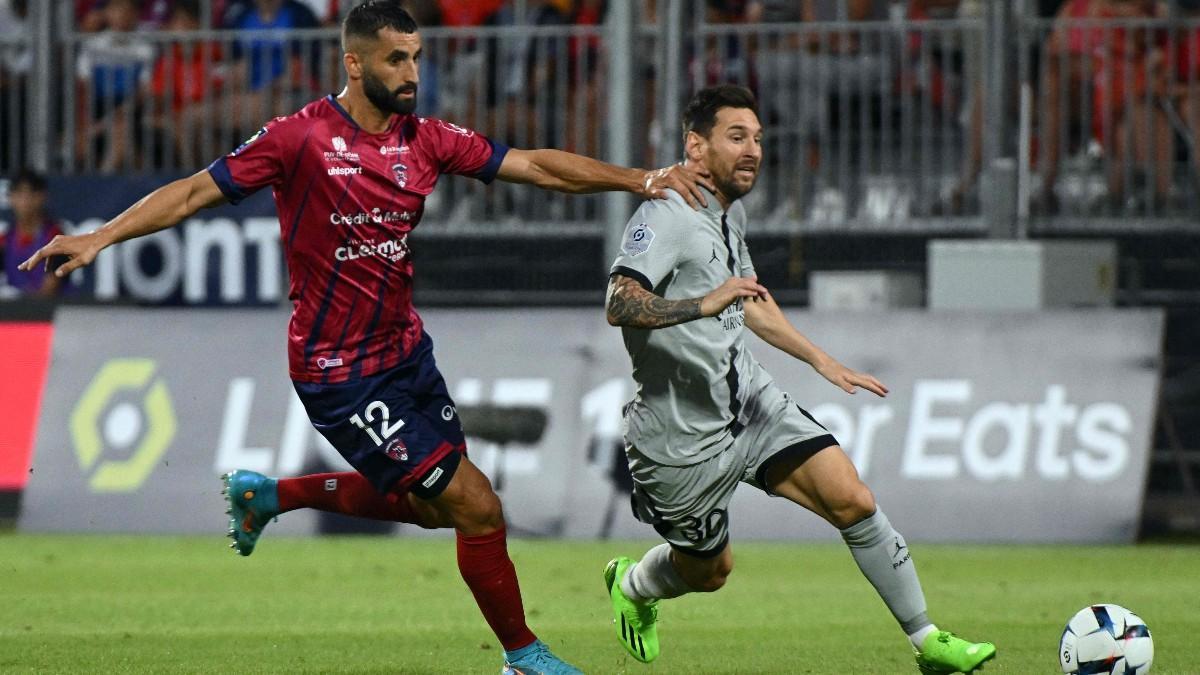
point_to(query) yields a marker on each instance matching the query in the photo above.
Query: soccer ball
(1106, 639)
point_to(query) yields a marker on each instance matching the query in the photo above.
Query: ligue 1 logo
(400, 171)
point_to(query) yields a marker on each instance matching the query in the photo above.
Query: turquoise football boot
(536, 659)
(253, 502)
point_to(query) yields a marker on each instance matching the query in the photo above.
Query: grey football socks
(654, 577)
(883, 557)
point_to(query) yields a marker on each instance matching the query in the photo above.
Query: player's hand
(727, 293)
(850, 380)
(78, 249)
(682, 179)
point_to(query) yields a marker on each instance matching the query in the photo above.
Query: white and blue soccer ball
(1106, 639)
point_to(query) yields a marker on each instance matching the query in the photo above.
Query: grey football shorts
(688, 505)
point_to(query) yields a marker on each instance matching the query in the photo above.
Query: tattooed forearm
(631, 305)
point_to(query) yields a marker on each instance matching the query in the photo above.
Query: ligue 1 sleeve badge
(400, 171)
(638, 239)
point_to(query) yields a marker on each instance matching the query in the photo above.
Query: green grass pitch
(71, 604)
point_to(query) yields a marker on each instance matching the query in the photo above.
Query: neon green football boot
(945, 652)
(636, 623)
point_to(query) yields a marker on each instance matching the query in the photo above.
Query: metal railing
(863, 121)
(171, 102)
(870, 126)
(1110, 114)
(16, 64)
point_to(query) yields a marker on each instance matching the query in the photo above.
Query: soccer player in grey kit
(707, 416)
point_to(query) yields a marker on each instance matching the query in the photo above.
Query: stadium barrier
(999, 426)
(171, 102)
(25, 334)
(872, 126)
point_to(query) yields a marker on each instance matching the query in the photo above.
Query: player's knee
(715, 580)
(851, 505)
(712, 578)
(481, 514)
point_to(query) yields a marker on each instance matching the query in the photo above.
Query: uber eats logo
(122, 425)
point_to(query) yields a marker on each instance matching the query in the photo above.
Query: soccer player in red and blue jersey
(350, 174)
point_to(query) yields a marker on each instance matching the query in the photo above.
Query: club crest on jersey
(400, 171)
(396, 450)
(257, 135)
(638, 240)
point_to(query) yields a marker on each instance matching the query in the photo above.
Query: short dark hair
(367, 19)
(30, 179)
(189, 7)
(701, 113)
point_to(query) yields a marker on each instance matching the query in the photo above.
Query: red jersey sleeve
(255, 164)
(463, 152)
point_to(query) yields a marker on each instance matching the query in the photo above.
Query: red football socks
(348, 493)
(485, 566)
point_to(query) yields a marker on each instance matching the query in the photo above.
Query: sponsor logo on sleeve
(449, 126)
(638, 240)
(257, 135)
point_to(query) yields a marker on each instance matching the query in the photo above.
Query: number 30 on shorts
(387, 428)
(698, 529)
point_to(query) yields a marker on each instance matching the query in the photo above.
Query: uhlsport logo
(122, 425)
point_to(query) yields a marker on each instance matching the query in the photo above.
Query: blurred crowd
(146, 95)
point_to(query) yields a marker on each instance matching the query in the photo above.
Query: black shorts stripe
(706, 554)
(802, 451)
(810, 417)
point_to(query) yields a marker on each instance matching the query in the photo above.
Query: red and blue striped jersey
(346, 201)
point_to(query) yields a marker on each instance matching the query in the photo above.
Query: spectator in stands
(14, 22)
(1185, 91)
(16, 61)
(726, 59)
(1086, 66)
(840, 61)
(583, 135)
(110, 67)
(31, 229)
(184, 86)
(271, 67)
(90, 15)
(971, 115)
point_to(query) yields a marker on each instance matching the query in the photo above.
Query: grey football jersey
(691, 378)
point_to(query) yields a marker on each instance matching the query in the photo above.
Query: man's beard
(387, 101)
(731, 189)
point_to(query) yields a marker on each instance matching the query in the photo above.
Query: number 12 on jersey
(386, 428)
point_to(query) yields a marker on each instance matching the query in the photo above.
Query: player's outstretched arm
(769, 323)
(567, 172)
(156, 211)
(630, 305)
